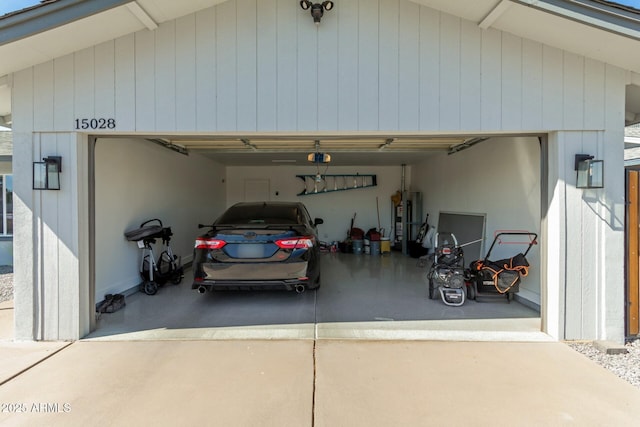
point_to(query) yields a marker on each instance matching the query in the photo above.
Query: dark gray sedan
(259, 245)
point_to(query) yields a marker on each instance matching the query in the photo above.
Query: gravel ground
(626, 366)
(6, 283)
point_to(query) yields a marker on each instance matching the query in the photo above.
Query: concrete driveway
(313, 383)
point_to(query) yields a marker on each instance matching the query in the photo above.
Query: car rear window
(261, 214)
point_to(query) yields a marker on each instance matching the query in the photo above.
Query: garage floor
(361, 296)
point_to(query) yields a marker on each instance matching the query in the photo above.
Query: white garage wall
(149, 182)
(337, 208)
(500, 178)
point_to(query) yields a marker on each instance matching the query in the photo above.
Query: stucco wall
(137, 180)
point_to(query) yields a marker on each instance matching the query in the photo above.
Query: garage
(178, 110)
(187, 181)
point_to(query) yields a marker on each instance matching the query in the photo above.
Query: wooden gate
(633, 254)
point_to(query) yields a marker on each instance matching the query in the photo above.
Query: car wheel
(316, 284)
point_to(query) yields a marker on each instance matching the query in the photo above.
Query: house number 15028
(95, 124)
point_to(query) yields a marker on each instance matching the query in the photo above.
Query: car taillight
(299, 243)
(210, 243)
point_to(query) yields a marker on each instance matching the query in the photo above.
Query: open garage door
(187, 180)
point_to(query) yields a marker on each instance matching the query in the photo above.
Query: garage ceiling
(347, 150)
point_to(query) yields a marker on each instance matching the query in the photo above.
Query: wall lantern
(46, 174)
(590, 173)
(317, 9)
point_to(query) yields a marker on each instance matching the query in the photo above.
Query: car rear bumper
(252, 285)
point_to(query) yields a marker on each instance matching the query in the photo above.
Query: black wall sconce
(317, 9)
(589, 172)
(46, 174)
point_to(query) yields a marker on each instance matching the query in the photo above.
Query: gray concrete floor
(362, 296)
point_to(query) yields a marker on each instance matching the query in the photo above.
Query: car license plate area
(251, 250)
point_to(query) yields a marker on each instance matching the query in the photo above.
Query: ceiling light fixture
(317, 9)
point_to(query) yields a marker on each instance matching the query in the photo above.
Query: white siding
(371, 65)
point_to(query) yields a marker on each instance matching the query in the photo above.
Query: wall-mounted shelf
(320, 184)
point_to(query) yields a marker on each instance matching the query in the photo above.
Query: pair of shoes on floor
(111, 303)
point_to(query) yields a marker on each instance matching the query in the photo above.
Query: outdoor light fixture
(589, 172)
(317, 9)
(46, 174)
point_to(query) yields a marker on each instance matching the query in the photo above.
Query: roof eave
(617, 19)
(47, 16)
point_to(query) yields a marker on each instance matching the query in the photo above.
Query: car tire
(316, 284)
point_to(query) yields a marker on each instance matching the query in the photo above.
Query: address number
(95, 123)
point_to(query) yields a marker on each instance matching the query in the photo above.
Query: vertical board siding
(552, 79)
(511, 96)
(368, 63)
(470, 82)
(226, 62)
(125, 79)
(491, 80)
(186, 73)
(409, 67)
(63, 108)
(328, 72)
(105, 80)
(248, 65)
(145, 88)
(43, 85)
(266, 57)
(573, 86)
(532, 85)
(206, 70)
(84, 96)
(389, 65)
(348, 66)
(449, 61)
(165, 81)
(306, 72)
(287, 75)
(429, 69)
(593, 94)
